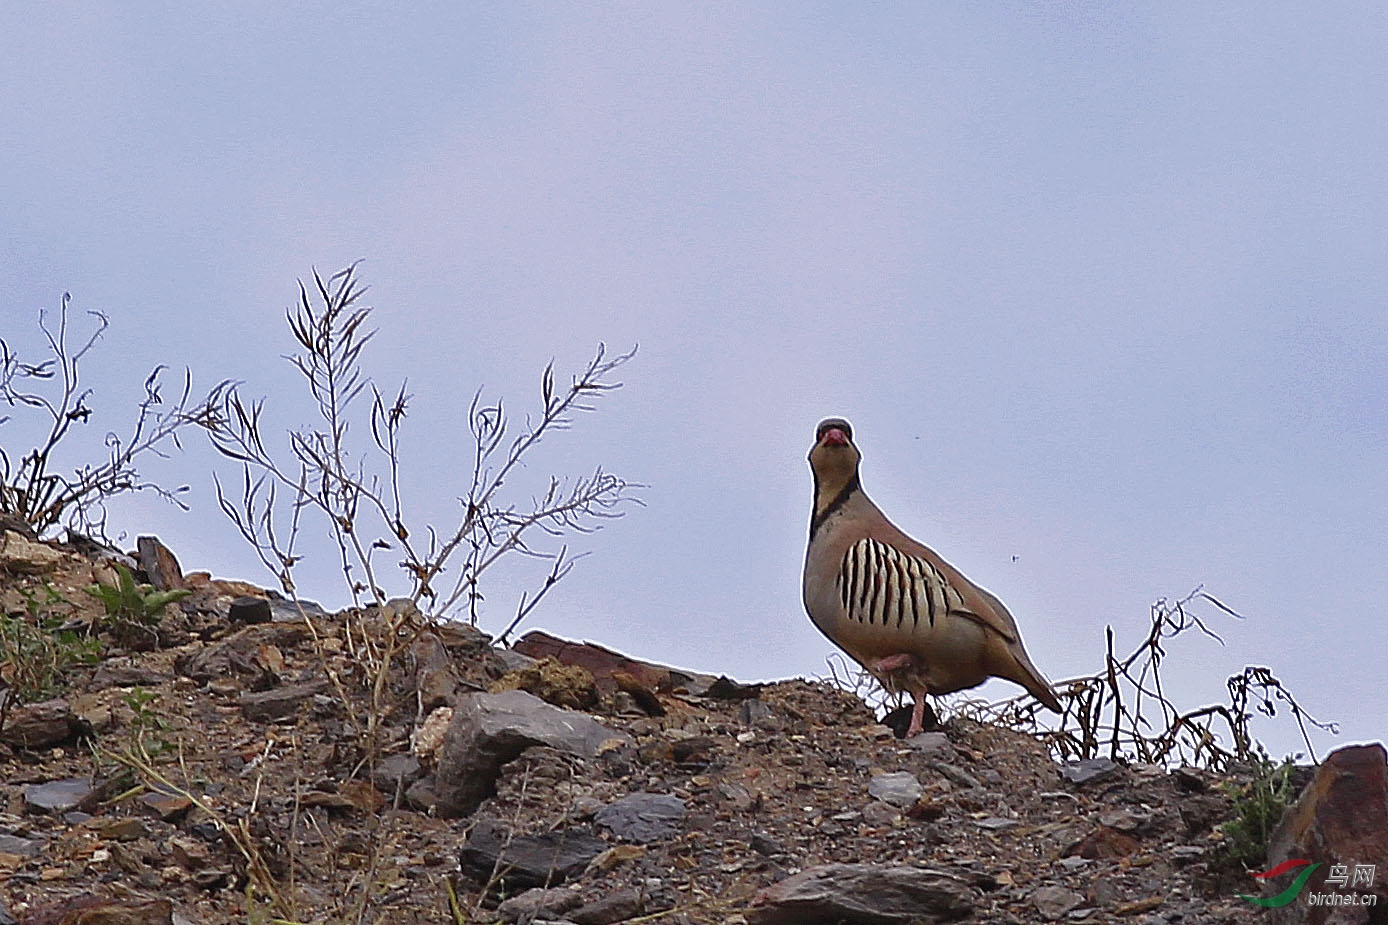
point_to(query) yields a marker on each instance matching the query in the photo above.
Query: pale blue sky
(1102, 287)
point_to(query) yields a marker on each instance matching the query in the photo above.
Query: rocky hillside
(245, 760)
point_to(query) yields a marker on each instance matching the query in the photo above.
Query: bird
(893, 604)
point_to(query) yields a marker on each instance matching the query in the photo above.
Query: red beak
(834, 436)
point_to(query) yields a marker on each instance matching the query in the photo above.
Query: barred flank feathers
(879, 584)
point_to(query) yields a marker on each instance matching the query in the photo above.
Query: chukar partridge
(895, 606)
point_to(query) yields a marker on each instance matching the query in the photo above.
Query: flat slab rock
(488, 730)
(527, 860)
(57, 796)
(1088, 769)
(863, 894)
(42, 725)
(604, 663)
(642, 817)
(22, 555)
(900, 789)
(279, 703)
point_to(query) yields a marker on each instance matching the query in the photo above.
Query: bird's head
(833, 459)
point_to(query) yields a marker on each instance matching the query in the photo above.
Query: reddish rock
(1341, 818)
(1102, 843)
(168, 805)
(42, 725)
(603, 663)
(124, 913)
(159, 564)
(94, 910)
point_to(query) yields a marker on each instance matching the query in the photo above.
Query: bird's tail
(1030, 677)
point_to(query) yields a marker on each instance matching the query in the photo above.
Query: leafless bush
(331, 474)
(32, 488)
(358, 493)
(1125, 711)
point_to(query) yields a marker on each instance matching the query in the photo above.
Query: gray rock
(954, 775)
(617, 906)
(57, 796)
(755, 712)
(642, 817)
(24, 847)
(395, 771)
(932, 745)
(527, 860)
(1088, 769)
(995, 823)
(878, 813)
(863, 894)
(127, 672)
(515, 661)
(900, 788)
(285, 611)
(250, 610)
(279, 703)
(488, 730)
(537, 902)
(1055, 901)
(1123, 820)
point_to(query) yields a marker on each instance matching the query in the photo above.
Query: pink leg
(917, 716)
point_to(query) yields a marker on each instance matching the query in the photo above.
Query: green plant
(147, 726)
(130, 606)
(38, 647)
(31, 486)
(1258, 807)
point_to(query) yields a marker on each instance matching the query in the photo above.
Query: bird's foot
(918, 719)
(902, 721)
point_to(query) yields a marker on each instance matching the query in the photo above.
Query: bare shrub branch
(31, 487)
(357, 490)
(1125, 712)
